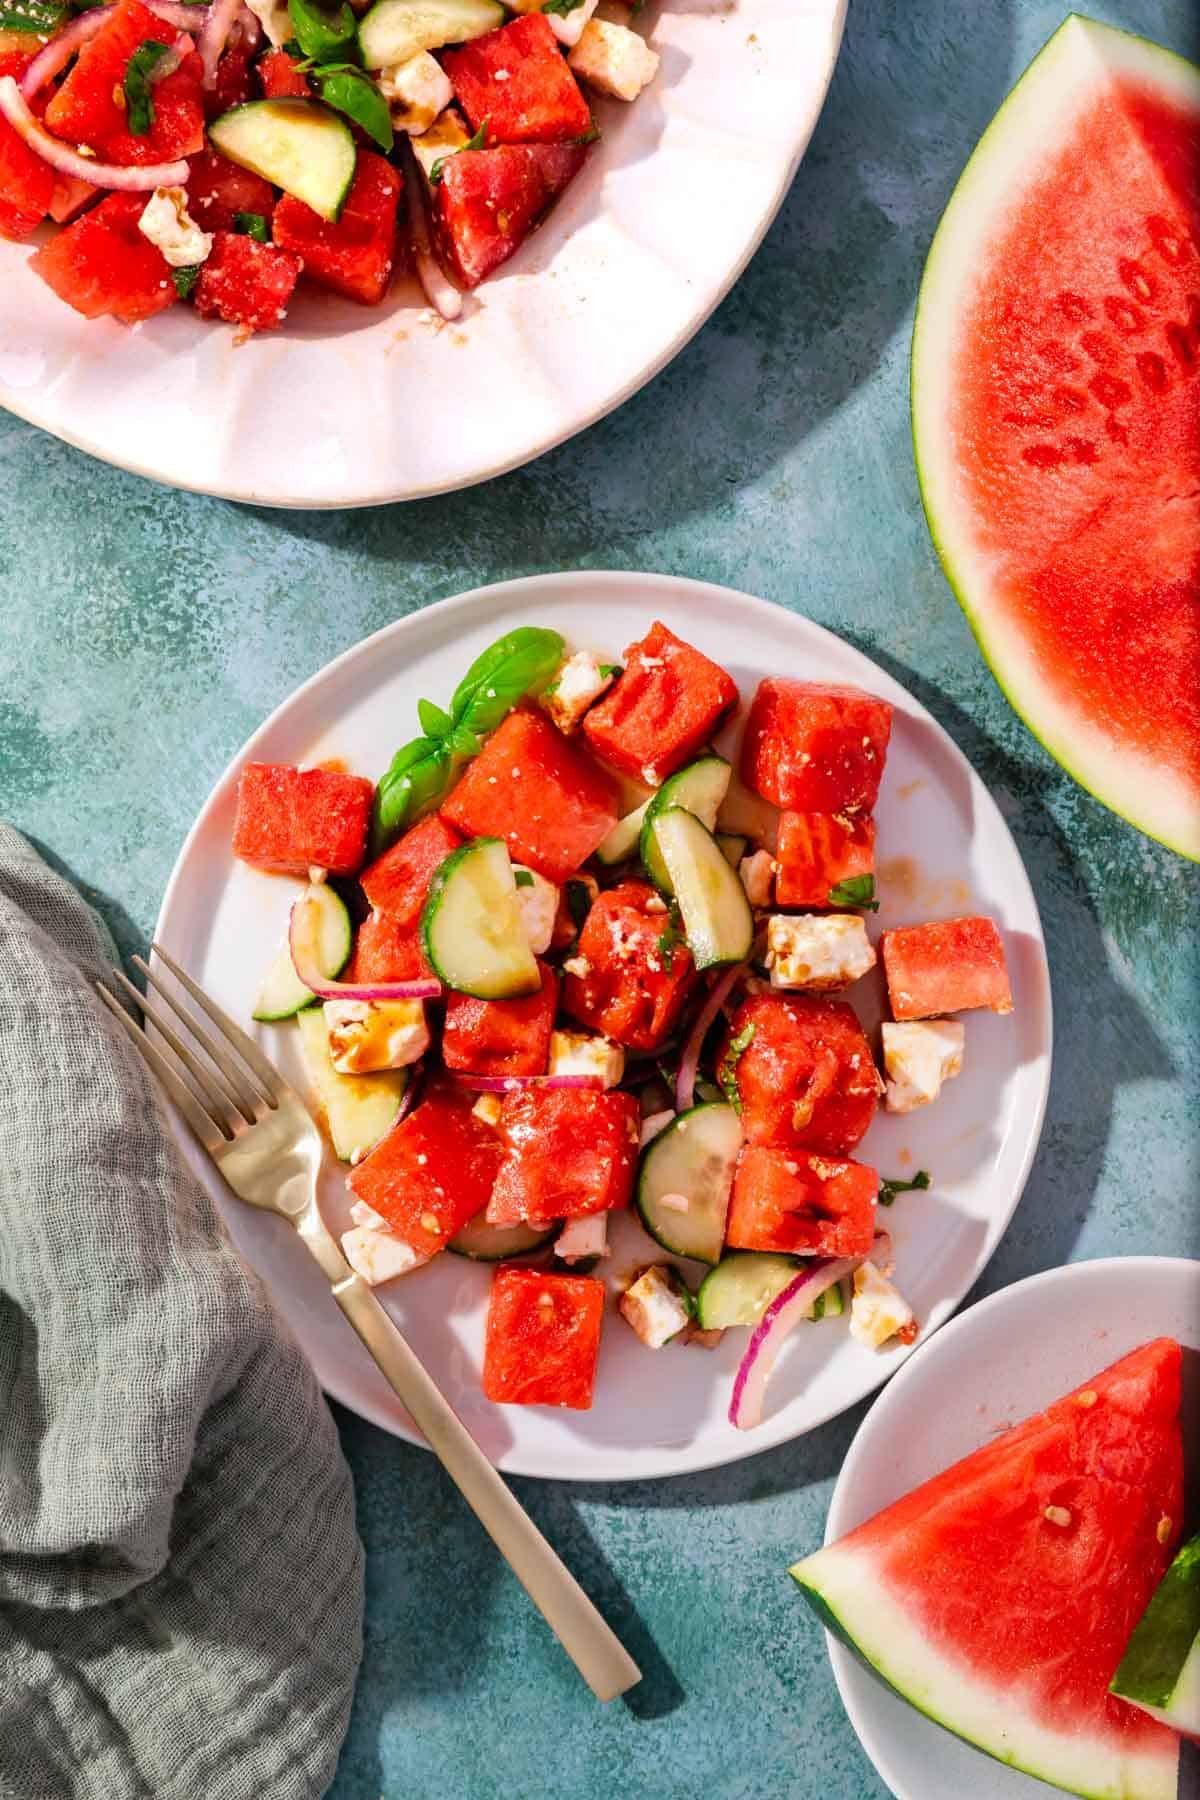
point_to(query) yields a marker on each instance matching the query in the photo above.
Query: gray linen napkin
(180, 1578)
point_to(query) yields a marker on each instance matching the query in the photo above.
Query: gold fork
(262, 1139)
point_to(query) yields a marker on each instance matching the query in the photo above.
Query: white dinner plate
(1004, 1359)
(350, 405)
(943, 849)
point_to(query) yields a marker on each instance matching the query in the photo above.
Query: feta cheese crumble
(165, 220)
(275, 20)
(654, 1308)
(445, 137)
(877, 1311)
(919, 1056)
(365, 1035)
(578, 1053)
(567, 27)
(757, 875)
(819, 953)
(378, 1256)
(581, 680)
(537, 903)
(581, 1239)
(613, 60)
(417, 92)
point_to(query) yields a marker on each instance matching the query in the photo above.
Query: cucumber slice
(693, 1157)
(829, 1305)
(298, 145)
(496, 1243)
(698, 789)
(394, 30)
(622, 840)
(471, 925)
(359, 1109)
(717, 920)
(732, 847)
(741, 1287)
(748, 814)
(283, 994)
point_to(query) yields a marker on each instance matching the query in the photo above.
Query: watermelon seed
(1057, 1515)
(1135, 278)
(1163, 1529)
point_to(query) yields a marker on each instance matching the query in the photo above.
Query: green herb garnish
(347, 90)
(139, 101)
(253, 225)
(523, 877)
(858, 891)
(889, 1189)
(608, 669)
(185, 280)
(579, 903)
(727, 1072)
(476, 142)
(325, 33)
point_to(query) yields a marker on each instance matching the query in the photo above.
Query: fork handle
(593, 1647)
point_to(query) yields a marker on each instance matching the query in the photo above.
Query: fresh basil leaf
(351, 92)
(463, 742)
(889, 1189)
(579, 903)
(185, 280)
(253, 225)
(327, 33)
(523, 877)
(727, 1073)
(858, 891)
(139, 101)
(40, 17)
(476, 142)
(418, 777)
(434, 722)
(560, 7)
(607, 669)
(520, 663)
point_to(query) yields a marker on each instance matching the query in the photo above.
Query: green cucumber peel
(139, 75)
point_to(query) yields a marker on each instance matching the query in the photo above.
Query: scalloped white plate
(349, 406)
(943, 849)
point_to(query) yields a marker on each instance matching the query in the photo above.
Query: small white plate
(350, 405)
(1001, 1361)
(943, 849)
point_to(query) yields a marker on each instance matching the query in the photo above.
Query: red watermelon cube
(488, 202)
(806, 1076)
(102, 264)
(280, 78)
(501, 1037)
(432, 1172)
(217, 189)
(815, 748)
(529, 786)
(664, 707)
(354, 256)
(626, 979)
(88, 107)
(568, 1153)
(69, 198)
(800, 1203)
(246, 283)
(234, 84)
(289, 820)
(27, 184)
(950, 966)
(517, 81)
(397, 883)
(543, 1338)
(817, 851)
(387, 949)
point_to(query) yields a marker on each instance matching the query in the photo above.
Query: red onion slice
(512, 1084)
(68, 162)
(303, 942)
(440, 291)
(414, 1087)
(685, 1081)
(183, 18)
(217, 26)
(59, 51)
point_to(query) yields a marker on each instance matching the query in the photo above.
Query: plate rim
(772, 1433)
(842, 1660)
(246, 495)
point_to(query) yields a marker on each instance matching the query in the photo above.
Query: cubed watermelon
(431, 1173)
(818, 851)
(800, 1203)
(102, 264)
(289, 820)
(246, 283)
(387, 949)
(568, 1153)
(234, 83)
(280, 78)
(501, 1037)
(949, 966)
(89, 107)
(629, 977)
(529, 786)
(667, 703)
(27, 184)
(397, 882)
(543, 1338)
(354, 256)
(517, 81)
(218, 189)
(69, 198)
(488, 202)
(815, 748)
(805, 1075)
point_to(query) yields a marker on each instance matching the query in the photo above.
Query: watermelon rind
(1160, 1670)
(1008, 158)
(842, 1587)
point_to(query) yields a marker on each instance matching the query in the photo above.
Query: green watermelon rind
(1050, 1757)
(1130, 789)
(1155, 1671)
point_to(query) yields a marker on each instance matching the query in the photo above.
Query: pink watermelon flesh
(1060, 454)
(999, 1596)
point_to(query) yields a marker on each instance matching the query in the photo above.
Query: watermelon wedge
(1056, 414)
(1160, 1670)
(998, 1597)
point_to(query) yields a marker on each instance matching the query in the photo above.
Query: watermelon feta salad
(566, 960)
(217, 154)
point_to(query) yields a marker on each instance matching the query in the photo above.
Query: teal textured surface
(146, 633)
